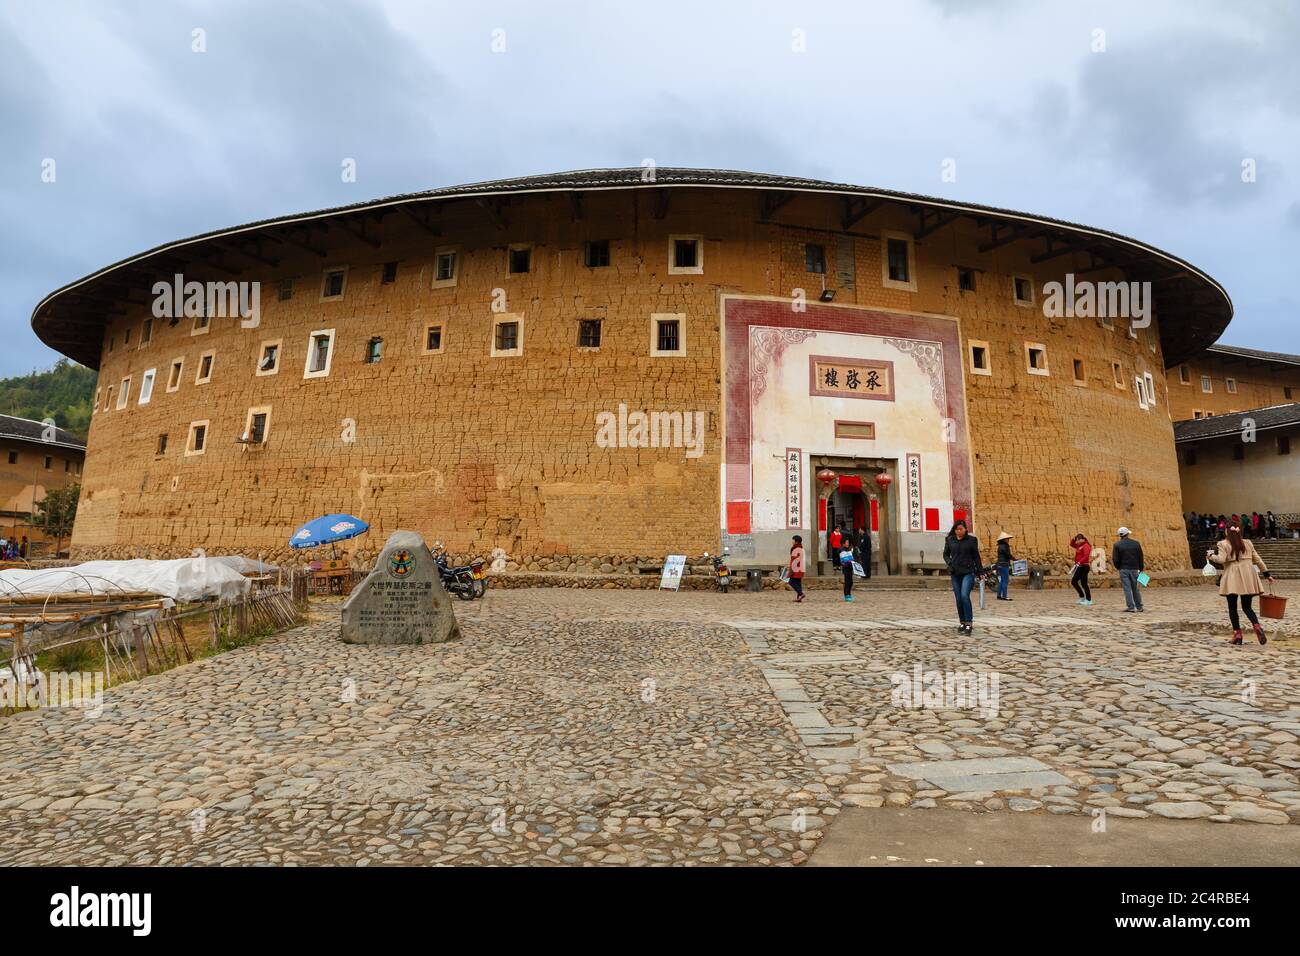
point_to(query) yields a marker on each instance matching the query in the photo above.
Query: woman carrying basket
(1240, 580)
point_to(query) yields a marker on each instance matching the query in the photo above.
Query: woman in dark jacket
(864, 551)
(1003, 565)
(961, 553)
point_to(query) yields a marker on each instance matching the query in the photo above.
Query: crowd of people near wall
(13, 549)
(1241, 566)
(1252, 525)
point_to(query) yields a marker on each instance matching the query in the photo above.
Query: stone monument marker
(402, 600)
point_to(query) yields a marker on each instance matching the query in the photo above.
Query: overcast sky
(153, 141)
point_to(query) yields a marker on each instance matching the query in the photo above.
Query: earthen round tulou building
(595, 369)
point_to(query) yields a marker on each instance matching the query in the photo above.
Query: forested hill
(64, 393)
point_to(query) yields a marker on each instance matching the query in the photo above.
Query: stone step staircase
(1282, 555)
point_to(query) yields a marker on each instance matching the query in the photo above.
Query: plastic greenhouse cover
(183, 579)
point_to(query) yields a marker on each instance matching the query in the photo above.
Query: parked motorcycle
(720, 569)
(466, 582)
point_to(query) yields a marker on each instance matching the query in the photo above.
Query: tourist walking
(796, 567)
(1240, 580)
(961, 553)
(1079, 574)
(846, 564)
(1272, 524)
(1126, 555)
(1004, 565)
(864, 551)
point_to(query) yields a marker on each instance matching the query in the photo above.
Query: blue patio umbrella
(326, 530)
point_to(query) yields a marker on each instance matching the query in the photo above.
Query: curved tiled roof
(1236, 351)
(71, 319)
(1216, 426)
(24, 429)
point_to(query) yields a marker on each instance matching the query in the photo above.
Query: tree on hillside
(64, 393)
(56, 512)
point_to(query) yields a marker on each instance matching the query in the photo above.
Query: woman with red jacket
(1079, 574)
(796, 568)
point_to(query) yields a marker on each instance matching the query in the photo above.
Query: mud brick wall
(488, 452)
(1258, 384)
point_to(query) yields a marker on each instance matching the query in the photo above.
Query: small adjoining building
(34, 458)
(1225, 379)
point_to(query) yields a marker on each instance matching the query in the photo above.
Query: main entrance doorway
(855, 500)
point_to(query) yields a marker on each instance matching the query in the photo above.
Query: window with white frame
(667, 334)
(333, 283)
(203, 374)
(434, 339)
(268, 357)
(897, 261)
(1080, 372)
(146, 386)
(446, 267)
(174, 374)
(96, 408)
(257, 426)
(686, 255)
(124, 393)
(519, 259)
(1231, 385)
(320, 354)
(1207, 385)
(507, 336)
(981, 362)
(1036, 358)
(1150, 383)
(196, 442)
(1119, 374)
(202, 323)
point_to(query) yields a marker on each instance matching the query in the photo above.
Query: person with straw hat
(1003, 564)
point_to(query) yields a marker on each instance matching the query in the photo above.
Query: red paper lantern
(825, 476)
(884, 481)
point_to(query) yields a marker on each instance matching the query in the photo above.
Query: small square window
(1189, 456)
(1238, 452)
(390, 273)
(256, 426)
(685, 255)
(1184, 376)
(980, 361)
(1150, 382)
(965, 279)
(520, 259)
(1196, 413)
(897, 268)
(374, 350)
(174, 375)
(285, 290)
(433, 338)
(1119, 374)
(1286, 392)
(333, 282)
(162, 445)
(596, 253)
(146, 332)
(1284, 444)
(1231, 385)
(1079, 376)
(669, 336)
(204, 373)
(268, 363)
(202, 323)
(49, 462)
(445, 262)
(1036, 358)
(1140, 388)
(507, 336)
(96, 405)
(1023, 289)
(814, 257)
(197, 441)
(589, 333)
(1207, 385)
(13, 458)
(124, 393)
